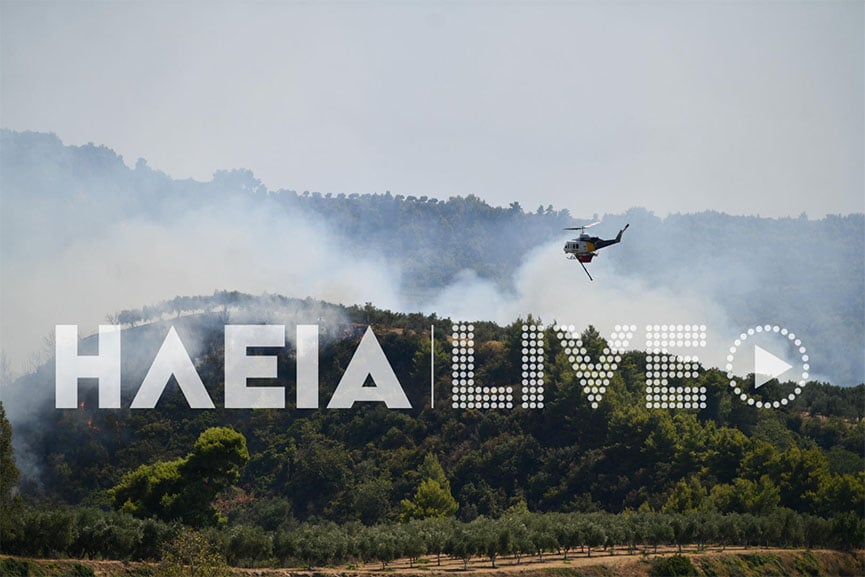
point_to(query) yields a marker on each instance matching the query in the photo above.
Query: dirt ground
(600, 564)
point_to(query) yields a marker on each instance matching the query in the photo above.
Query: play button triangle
(767, 366)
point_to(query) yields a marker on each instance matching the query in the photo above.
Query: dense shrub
(14, 568)
(78, 570)
(675, 566)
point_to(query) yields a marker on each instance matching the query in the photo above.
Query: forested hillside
(567, 456)
(368, 464)
(82, 213)
(82, 232)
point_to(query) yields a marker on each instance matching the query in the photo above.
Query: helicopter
(584, 248)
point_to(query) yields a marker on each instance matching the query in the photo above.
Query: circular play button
(774, 356)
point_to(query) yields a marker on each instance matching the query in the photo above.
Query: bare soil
(600, 564)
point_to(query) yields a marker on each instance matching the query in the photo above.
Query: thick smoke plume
(553, 289)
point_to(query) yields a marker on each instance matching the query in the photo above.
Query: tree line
(158, 503)
(518, 534)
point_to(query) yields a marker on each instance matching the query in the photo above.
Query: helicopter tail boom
(601, 243)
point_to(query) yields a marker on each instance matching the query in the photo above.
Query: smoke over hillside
(84, 236)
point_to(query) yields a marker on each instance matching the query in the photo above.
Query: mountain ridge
(153, 237)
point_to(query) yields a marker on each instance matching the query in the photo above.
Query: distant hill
(136, 236)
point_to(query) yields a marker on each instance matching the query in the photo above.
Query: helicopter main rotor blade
(590, 225)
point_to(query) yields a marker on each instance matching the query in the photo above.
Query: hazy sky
(744, 107)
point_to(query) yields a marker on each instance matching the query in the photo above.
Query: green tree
(791, 528)
(594, 536)
(435, 534)
(815, 530)
(321, 469)
(726, 451)
(683, 530)
(381, 544)
(759, 498)
(433, 498)
(431, 501)
(616, 532)
(108, 534)
(516, 520)
(746, 496)
(462, 545)
(541, 533)
(568, 531)
(431, 468)
(803, 474)
(730, 530)
(409, 541)
(8, 470)
(185, 488)
(9, 505)
(848, 531)
(319, 544)
(688, 495)
(761, 458)
(659, 530)
(247, 545)
(492, 538)
(46, 532)
(371, 500)
(840, 493)
(706, 528)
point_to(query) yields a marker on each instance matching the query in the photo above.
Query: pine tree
(8, 470)
(433, 498)
(9, 503)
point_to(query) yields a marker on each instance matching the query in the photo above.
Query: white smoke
(135, 263)
(555, 289)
